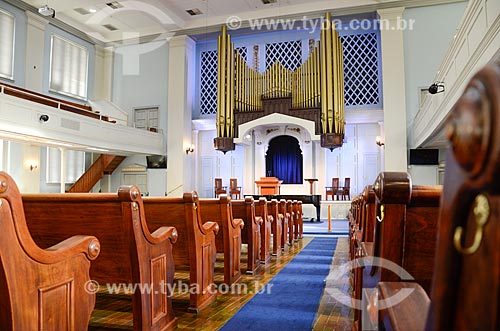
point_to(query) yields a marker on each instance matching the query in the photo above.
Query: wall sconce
(189, 149)
(379, 141)
(33, 166)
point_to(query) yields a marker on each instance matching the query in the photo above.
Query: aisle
(294, 295)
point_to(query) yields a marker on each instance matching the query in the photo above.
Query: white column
(393, 73)
(181, 87)
(35, 45)
(63, 170)
(103, 72)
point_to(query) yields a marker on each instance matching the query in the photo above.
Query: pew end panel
(250, 235)
(229, 241)
(265, 229)
(41, 288)
(197, 251)
(131, 254)
(277, 225)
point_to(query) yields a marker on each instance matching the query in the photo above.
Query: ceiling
(142, 18)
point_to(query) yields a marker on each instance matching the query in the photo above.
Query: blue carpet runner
(294, 296)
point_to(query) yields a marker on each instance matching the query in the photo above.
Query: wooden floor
(331, 314)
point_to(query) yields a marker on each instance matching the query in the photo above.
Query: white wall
(425, 47)
(140, 77)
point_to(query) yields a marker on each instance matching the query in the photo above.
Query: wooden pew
(299, 230)
(265, 229)
(130, 253)
(250, 235)
(229, 241)
(292, 222)
(405, 231)
(41, 289)
(195, 248)
(277, 226)
(466, 284)
(285, 230)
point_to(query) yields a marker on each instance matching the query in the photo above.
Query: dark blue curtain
(284, 160)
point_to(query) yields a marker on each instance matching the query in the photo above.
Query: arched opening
(284, 160)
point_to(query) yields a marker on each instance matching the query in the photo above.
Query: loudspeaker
(424, 156)
(157, 161)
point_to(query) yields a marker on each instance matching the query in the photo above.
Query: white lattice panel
(288, 53)
(361, 70)
(208, 83)
(208, 80)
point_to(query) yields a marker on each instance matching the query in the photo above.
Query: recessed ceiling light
(110, 27)
(194, 11)
(92, 10)
(114, 5)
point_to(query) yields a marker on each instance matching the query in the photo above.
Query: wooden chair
(332, 190)
(344, 191)
(466, 282)
(219, 189)
(234, 189)
(41, 289)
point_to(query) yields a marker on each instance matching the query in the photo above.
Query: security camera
(437, 87)
(43, 118)
(47, 11)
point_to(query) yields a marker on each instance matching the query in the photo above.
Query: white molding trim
(464, 58)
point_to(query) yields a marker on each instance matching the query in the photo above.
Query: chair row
(443, 241)
(143, 241)
(234, 189)
(339, 192)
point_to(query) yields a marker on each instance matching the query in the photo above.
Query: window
(146, 118)
(68, 68)
(6, 45)
(74, 162)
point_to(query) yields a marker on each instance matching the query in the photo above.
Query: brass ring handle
(382, 214)
(481, 214)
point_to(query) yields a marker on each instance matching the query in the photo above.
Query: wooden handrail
(51, 101)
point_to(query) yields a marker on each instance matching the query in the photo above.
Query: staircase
(104, 165)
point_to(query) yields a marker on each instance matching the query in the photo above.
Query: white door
(370, 169)
(207, 177)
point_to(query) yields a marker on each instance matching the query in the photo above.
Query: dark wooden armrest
(166, 232)
(88, 245)
(409, 314)
(238, 222)
(258, 220)
(210, 226)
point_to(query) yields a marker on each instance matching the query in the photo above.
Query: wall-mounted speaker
(424, 156)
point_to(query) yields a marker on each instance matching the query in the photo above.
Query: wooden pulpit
(268, 185)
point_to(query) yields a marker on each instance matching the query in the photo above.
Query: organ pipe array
(316, 84)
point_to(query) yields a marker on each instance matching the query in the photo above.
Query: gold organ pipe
(318, 75)
(309, 81)
(223, 82)
(323, 81)
(228, 86)
(335, 72)
(219, 86)
(329, 78)
(231, 78)
(342, 88)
